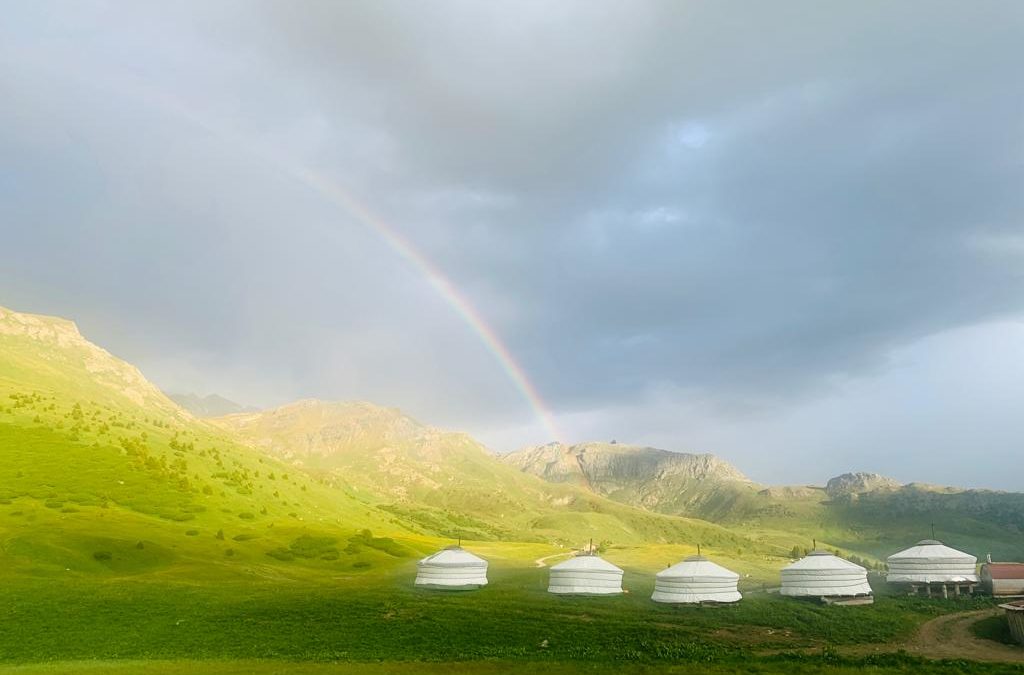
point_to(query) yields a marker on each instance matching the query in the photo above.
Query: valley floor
(380, 623)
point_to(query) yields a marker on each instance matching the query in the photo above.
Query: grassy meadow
(266, 617)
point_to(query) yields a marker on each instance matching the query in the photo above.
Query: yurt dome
(824, 575)
(696, 579)
(585, 575)
(931, 561)
(452, 568)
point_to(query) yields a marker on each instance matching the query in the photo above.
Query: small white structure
(930, 563)
(696, 579)
(824, 575)
(586, 574)
(452, 569)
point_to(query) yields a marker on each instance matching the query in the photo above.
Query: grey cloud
(739, 202)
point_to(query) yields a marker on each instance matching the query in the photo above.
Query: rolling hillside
(448, 482)
(863, 512)
(702, 486)
(102, 473)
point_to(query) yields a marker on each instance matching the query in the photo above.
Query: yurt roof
(697, 566)
(454, 556)
(586, 562)
(823, 560)
(932, 549)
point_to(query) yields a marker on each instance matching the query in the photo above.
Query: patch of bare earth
(950, 637)
(946, 637)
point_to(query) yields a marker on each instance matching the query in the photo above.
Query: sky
(790, 234)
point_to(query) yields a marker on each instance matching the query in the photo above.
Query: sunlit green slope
(449, 483)
(867, 514)
(99, 471)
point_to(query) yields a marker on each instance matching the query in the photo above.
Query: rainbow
(441, 283)
(320, 183)
(438, 280)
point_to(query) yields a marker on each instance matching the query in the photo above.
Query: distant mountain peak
(859, 482)
(211, 405)
(614, 458)
(654, 479)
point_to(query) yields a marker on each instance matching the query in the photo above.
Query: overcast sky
(791, 234)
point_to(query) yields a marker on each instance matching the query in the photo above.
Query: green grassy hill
(450, 484)
(101, 473)
(864, 514)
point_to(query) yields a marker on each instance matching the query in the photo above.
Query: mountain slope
(447, 481)
(101, 471)
(863, 512)
(658, 480)
(211, 405)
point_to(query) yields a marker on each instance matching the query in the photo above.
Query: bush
(192, 533)
(245, 515)
(282, 554)
(102, 556)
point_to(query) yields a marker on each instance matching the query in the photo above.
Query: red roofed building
(1003, 578)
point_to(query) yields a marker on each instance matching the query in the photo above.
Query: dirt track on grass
(950, 637)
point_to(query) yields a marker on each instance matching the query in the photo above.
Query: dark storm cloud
(653, 203)
(702, 194)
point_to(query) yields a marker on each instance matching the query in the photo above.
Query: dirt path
(950, 637)
(542, 562)
(945, 637)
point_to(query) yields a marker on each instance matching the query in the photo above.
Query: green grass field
(263, 620)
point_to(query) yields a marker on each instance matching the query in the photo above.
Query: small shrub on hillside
(140, 546)
(245, 515)
(102, 556)
(245, 537)
(383, 544)
(192, 533)
(220, 535)
(229, 552)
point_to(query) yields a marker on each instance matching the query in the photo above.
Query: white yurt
(932, 562)
(453, 568)
(696, 579)
(823, 575)
(586, 574)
